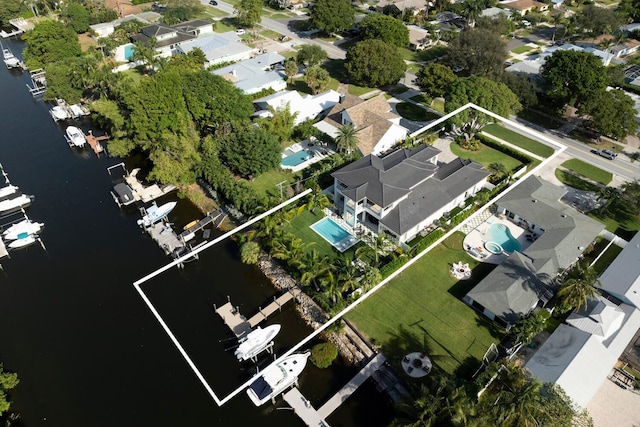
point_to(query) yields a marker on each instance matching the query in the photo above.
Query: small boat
(79, 110)
(276, 378)
(59, 112)
(256, 341)
(8, 191)
(9, 59)
(22, 230)
(75, 136)
(155, 213)
(16, 203)
(21, 243)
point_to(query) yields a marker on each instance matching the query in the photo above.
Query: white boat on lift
(23, 242)
(22, 230)
(155, 213)
(9, 58)
(16, 203)
(8, 191)
(79, 110)
(75, 136)
(59, 112)
(276, 378)
(256, 341)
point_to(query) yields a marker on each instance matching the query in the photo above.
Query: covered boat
(276, 378)
(9, 58)
(75, 136)
(256, 341)
(22, 230)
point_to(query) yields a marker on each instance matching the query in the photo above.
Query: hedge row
(505, 149)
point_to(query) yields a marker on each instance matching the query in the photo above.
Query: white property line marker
(559, 149)
(181, 259)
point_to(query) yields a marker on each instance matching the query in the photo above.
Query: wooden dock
(302, 407)
(276, 305)
(94, 142)
(346, 391)
(233, 319)
(146, 194)
(199, 225)
(164, 235)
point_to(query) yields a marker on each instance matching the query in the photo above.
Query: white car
(240, 32)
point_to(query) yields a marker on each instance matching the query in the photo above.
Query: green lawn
(589, 171)
(607, 258)
(521, 141)
(422, 99)
(618, 223)
(413, 68)
(438, 105)
(224, 26)
(421, 310)
(266, 182)
(415, 113)
(522, 49)
(567, 178)
(486, 155)
(270, 34)
(359, 90)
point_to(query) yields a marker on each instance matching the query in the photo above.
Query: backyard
(422, 310)
(485, 156)
(519, 140)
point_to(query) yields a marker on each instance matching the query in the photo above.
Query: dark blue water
(86, 348)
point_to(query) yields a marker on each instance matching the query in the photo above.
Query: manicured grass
(422, 99)
(359, 90)
(521, 141)
(223, 27)
(269, 34)
(567, 178)
(589, 171)
(438, 105)
(415, 113)
(522, 49)
(421, 310)
(485, 156)
(607, 258)
(617, 222)
(432, 53)
(266, 183)
(212, 12)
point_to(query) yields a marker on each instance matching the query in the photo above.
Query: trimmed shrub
(427, 241)
(323, 354)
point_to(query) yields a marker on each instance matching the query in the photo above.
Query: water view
(85, 346)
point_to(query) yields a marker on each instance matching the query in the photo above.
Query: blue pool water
(296, 158)
(500, 234)
(330, 231)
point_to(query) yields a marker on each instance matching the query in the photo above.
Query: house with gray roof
(219, 48)
(622, 278)
(166, 38)
(562, 234)
(255, 74)
(403, 192)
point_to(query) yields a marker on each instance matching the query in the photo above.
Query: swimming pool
(296, 159)
(500, 234)
(337, 236)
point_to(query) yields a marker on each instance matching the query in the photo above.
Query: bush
(323, 354)
(387, 269)
(507, 150)
(472, 144)
(427, 241)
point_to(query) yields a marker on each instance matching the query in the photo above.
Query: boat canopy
(261, 388)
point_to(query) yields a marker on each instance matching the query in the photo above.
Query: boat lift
(38, 82)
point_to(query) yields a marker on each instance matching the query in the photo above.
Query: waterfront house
(403, 192)
(304, 107)
(526, 279)
(378, 127)
(105, 29)
(166, 38)
(255, 74)
(522, 7)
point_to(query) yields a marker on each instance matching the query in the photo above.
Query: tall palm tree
(577, 291)
(348, 274)
(315, 268)
(347, 139)
(316, 199)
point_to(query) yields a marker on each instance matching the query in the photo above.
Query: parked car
(240, 32)
(213, 2)
(607, 154)
(284, 38)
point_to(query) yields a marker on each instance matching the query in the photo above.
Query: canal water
(85, 346)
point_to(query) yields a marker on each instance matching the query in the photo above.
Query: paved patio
(477, 238)
(614, 406)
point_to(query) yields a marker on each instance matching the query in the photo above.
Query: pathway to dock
(164, 235)
(277, 304)
(146, 194)
(94, 142)
(346, 391)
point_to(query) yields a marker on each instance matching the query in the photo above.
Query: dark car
(213, 2)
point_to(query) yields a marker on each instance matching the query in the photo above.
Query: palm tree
(347, 273)
(250, 252)
(609, 195)
(578, 290)
(347, 139)
(317, 199)
(314, 268)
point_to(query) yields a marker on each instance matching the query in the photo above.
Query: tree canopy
(480, 51)
(76, 16)
(573, 77)
(49, 41)
(248, 12)
(598, 20)
(494, 96)
(332, 16)
(386, 28)
(374, 63)
(310, 55)
(613, 114)
(434, 78)
(10, 9)
(251, 151)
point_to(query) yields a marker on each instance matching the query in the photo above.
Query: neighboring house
(614, 49)
(634, 26)
(219, 48)
(531, 67)
(522, 7)
(403, 192)
(256, 74)
(107, 28)
(378, 128)
(493, 12)
(632, 75)
(305, 107)
(197, 27)
(626, 48)
(404, 6)
(580, 354)
(527, 279)
(448, 21)
(622, 278)
(166, 38)
(418, 38)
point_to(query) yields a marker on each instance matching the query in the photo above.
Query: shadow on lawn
(479, 272)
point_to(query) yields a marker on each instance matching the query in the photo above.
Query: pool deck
(341, 245)
(319, 153)
(474, 241)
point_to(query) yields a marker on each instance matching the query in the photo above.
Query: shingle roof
(155, 30)
(192, 26)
